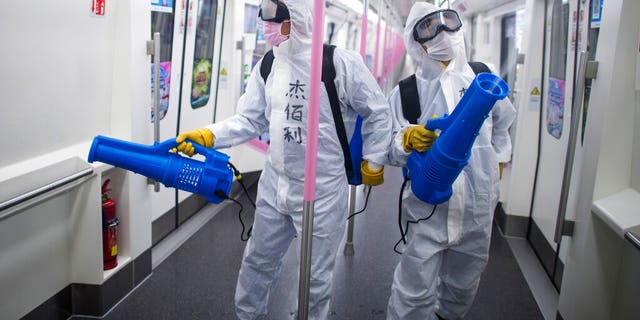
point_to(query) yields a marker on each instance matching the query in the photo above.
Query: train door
(567, 33)
(191, 38)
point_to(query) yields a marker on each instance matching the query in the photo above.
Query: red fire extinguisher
(109, 229)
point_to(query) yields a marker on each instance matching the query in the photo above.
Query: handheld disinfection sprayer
(157, 162)
(433, 172)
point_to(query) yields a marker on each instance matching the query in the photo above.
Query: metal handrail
(153, 48)
(576, 110)
(41, 190)
(633, 238)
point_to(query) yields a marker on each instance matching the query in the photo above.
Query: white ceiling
(396, 11)
(470, 7)
(400, 8)
(464, 7)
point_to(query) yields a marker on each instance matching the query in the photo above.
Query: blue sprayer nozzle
(157, 162)
(433, 172)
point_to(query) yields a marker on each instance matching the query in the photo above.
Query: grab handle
(634, 239)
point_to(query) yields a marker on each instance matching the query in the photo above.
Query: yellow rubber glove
(202, 136)
(371, 177)
(418, 138)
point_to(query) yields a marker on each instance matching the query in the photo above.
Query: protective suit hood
(300, 12)
(427, 67)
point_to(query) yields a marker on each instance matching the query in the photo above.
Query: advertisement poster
(162, 5)
(201, 83)
(596, 13)
(165, 81)
(555, 107)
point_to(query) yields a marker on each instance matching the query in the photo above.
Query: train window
(203, 53)
(557, 68)
(559, 32)
(162, 17)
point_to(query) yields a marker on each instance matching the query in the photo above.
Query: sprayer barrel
(433, 172)
(174, 171)
(470, 113)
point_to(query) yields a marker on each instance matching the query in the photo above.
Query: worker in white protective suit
(439, 271)
(280, 107)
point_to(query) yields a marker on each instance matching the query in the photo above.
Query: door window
(203, 53)
(557, 68)
(162, 17)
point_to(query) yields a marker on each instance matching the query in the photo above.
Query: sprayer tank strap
(410, 98)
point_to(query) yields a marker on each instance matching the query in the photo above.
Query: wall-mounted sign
(555, 109)
(162, 6)
(98, 7)
(596, 13)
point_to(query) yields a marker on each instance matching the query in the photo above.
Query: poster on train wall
(162, 6)
(165, 85)
(596, 13)
(555, 107)
(579, 22)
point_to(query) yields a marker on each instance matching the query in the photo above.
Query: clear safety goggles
(430, 25)
(273, 11)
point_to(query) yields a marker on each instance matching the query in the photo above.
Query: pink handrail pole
(375, 54)
(306, 243)
(365, 29)
(314, 101)
(385, 55)
(363, 36)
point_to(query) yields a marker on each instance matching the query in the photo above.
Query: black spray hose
(366, 201)
(404, 231)
(238, 176)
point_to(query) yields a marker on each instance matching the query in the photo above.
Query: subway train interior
(103, 215)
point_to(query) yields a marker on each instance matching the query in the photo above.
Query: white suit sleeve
(250, 119)
(397, 156)
(502, 115)
(364, 95)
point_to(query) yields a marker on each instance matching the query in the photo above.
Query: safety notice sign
(98, 7)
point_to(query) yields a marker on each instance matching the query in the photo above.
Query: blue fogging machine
(433, 172)
(210, 178)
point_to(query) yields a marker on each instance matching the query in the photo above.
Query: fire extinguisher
(109, 229)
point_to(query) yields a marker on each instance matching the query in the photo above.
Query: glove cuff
(366, 169)
(371, 177)
(207, 137)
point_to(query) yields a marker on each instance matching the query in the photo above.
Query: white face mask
(443, 46)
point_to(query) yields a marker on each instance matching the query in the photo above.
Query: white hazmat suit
(280, 107)
(444, 257)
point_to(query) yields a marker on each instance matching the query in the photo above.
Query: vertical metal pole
(348, 246)
(240, 46)
(156, 95)
(313, 119)
(576, 111)
(305, 260)
(156, 86)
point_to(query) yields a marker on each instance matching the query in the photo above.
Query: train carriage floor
(196, 268)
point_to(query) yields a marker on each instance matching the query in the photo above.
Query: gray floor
(197, 280)
(543, 290)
